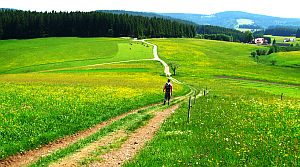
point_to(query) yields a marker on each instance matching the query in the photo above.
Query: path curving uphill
(156, 57)
(127, 150)
(166, 66)
(155, 54)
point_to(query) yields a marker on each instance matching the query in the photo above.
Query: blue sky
(266, 7)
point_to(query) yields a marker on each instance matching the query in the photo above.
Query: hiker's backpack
(168, 87)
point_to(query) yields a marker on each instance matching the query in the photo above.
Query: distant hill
(146, 14)
(230, 19)
(7, 9)
(233, 19)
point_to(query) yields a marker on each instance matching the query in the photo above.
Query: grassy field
(20, 56)
(36, 108)
(242, 122)
(285, 59)
(226, 131)
(208, 59)
(39, 108)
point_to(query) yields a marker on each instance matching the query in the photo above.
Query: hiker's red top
(168, 87)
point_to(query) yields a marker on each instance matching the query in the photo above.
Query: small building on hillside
(260, 41)
(289, 40)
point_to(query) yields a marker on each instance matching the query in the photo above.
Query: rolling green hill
(45, 54)
(241, 122)
(284, 59)
(59, 86)
(215, 58)
(55, 87)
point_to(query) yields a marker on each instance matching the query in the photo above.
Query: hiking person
(168, 92)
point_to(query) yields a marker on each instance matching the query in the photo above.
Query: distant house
(259, 41)
(266, 41)
(289, 39)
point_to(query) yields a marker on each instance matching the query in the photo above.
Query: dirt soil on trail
(128, 150)
(135, 142)
(74, 159)
(31, 156)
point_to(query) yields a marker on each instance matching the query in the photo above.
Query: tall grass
(38, 108)
(226, 131)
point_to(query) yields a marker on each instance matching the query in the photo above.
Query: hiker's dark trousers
(167, 96)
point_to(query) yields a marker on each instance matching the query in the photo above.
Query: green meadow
(54, 87)
(40, 107)
(21, 56)
(285, 59)
(212, 59)
(241, 122)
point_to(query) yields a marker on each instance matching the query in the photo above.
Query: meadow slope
(242, 121)
(21, 56)
(41, 107)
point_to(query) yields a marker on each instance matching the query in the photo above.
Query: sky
(266, 7)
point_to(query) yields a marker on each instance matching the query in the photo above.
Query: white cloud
(267, 7)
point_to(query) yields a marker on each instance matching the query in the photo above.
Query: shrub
(260, 52)
(273, 62)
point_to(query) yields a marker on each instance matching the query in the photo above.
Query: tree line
(17, 24)
(250, 26)
(281, 31)
(298, 33)
(225, 34)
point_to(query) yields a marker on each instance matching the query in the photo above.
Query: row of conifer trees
(17, 24)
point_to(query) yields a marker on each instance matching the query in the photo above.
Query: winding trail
(135, 142)
(155, 54)
(156, 57)
(94, 65)
(33, 155)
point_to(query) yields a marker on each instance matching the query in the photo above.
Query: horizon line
(150, 12)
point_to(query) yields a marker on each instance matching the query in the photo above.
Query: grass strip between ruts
(128, 123)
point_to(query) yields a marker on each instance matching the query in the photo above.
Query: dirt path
(136, 141)
(114, 158)
(156, 57)
(33, 155)
(166, 66)
(132, 145)
(74, 159)
(94, 65)
(155, 54)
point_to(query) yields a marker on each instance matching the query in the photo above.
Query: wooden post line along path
(189, 109)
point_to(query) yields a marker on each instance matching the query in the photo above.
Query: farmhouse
(260, 41)
(289, 40)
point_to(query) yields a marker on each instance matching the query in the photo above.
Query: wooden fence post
(189, 109)
(194, 97)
